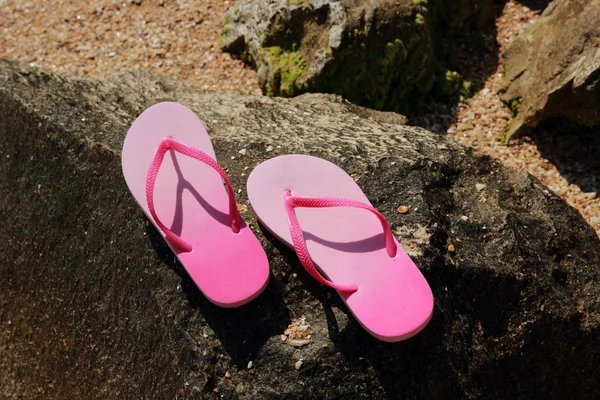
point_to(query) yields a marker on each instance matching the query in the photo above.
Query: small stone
(451, 248)
(298, 364)
(479, 186)
(283, 338)
(270, 148)
(242, 152)
(252, 371)
(227, 374)
(464, 218)
(298, 342)
(250, 364)
(464, 127)
(403, 209)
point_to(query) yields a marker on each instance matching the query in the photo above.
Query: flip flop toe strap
(170, 144)
(291, 202)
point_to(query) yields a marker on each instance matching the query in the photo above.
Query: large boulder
(93, 305)
(385, 54)
(552, 70)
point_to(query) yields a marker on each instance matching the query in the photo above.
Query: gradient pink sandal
(314, 207)
(186, 201)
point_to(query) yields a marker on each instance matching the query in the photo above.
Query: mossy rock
(381, 54)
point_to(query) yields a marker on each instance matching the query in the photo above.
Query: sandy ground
(95, 38)
(569, 164)
(99, 37)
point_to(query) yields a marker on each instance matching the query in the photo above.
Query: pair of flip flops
(308, 203)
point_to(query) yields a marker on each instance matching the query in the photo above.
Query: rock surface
(385, 54)
(92, 304)
(553, 68)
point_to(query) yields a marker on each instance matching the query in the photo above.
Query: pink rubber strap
(168, 143)
(299, 242)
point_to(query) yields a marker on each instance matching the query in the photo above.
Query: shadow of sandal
(399, 366)
(243, 330)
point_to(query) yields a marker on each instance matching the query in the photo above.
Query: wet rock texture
(385, 54)
(552, 70)
(92, 304)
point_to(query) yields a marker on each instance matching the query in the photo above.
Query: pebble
(270, 148)
(403, 209)
(297, 342)
(464, 127)
(464, 218)
(250, 364)
(242, 152)
(298, 364)
(589, 196)
(451, 248)
(479, 186)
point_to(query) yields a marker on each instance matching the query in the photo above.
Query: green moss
(467, 90)
(448, 83)
(515, 105)
(394, 51)
(419, 2)
(419, 19)
(513, 126)
(286, 67)
(296, 2)
(225, 30)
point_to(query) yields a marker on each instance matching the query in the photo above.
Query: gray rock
(385, 54)
(552, 70)
(92, 304)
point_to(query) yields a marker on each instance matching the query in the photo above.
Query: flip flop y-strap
(291, 202)
(168, 144)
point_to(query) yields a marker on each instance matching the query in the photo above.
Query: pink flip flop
(186, 201)
(314, 207)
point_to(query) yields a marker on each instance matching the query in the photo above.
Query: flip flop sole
(230, 268)
(393, 301)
